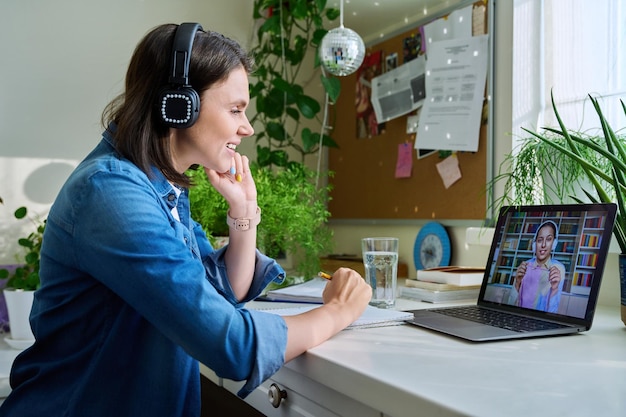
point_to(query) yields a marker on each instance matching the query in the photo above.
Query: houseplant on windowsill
(23, 281)
(599, 161)
(536, 173)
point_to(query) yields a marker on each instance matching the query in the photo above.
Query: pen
(324, 275)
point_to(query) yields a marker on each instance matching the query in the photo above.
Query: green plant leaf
(332, 86)
(311, 140)
(320, 4)
(31, 258)
(276, 131)
(318, 35)
(308, 139)
(332, 14)
(25, 242)
(283, 86)
(279, 158)
(300, 9)
(593, 173)
(256, 89)
(274, 103)
(329, 142)
(299, 50)
(263, 155)
(308, 106)
(293, 113)
(270, 26)
(20, 213)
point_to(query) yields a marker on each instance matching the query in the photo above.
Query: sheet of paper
(371, 317)
(478, 20)
(399, 91)
(457, 24)
(404, 164)
(309, 291)
(449, 170)
(456, 72)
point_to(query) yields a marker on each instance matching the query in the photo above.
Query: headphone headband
(556, 234)
(545, 223)
(181, 52)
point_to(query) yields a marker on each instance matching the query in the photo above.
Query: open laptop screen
(549, 258)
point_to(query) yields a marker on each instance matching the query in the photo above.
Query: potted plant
(23, 281)
(293, 208)
(536, 173)
(599, 161)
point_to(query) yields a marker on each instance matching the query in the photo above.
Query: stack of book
(446, 284)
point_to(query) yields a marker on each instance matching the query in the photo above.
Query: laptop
(542, 276)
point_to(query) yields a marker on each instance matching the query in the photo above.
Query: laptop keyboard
(498, 319)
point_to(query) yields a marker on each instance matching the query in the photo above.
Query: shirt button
(171, 197)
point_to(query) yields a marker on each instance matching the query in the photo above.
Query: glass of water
(380, 257)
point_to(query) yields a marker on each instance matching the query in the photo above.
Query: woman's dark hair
(140, 136)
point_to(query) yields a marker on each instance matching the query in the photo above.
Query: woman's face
(543, 244)
(222, 123)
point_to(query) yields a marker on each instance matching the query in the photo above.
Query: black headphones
(556, 235)
(179, 103)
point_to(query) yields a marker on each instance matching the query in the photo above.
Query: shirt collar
(156, 177)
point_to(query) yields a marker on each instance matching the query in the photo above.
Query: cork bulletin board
(364, 184)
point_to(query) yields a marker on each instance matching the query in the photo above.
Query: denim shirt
(131, 299)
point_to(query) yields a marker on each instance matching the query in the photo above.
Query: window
(571, 48)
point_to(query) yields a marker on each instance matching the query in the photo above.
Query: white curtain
(570, 48)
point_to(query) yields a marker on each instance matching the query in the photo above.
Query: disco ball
(342, 51)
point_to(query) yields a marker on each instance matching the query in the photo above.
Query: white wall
(62, 62)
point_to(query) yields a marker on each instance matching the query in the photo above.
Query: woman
(132, 295)
(539, 281)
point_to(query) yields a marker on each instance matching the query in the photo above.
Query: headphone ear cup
(179, 107)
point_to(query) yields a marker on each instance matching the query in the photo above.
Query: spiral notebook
(371, 317)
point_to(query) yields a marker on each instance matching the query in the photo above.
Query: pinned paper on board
(456, 72)
(449, 170)
(404, 164)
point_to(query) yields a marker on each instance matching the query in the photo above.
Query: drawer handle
(276, 395)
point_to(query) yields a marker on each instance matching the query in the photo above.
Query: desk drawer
(304, 398)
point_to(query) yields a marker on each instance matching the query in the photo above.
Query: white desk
(406, 371)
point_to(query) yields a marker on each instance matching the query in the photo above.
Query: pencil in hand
(324, 275)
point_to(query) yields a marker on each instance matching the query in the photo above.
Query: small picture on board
(366, 124)
(391, 61)
(412, 46)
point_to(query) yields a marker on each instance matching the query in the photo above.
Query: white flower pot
(19, 304)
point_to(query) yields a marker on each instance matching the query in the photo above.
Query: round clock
(432, 246)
